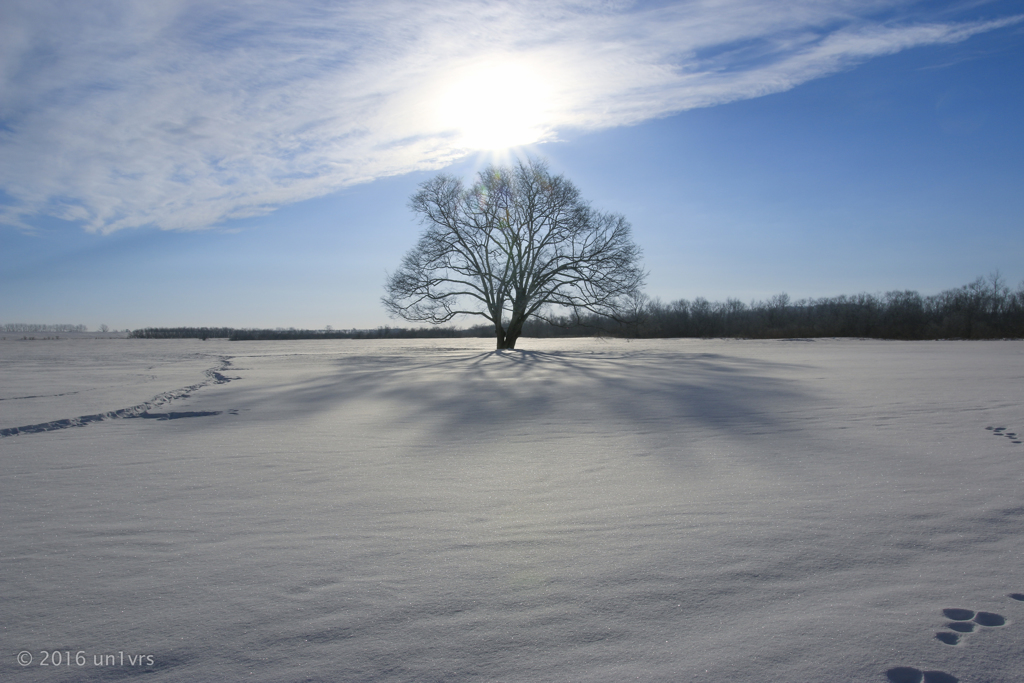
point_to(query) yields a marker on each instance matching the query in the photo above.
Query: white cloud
(184, 114)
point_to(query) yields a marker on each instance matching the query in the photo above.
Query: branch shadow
(452, 394)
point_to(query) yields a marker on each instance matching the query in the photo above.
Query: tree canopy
(520, 242)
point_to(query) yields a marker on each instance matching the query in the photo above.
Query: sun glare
(495, 106)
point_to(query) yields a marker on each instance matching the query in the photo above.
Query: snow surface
(577, 510)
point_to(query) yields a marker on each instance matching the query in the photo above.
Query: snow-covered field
(578, 510)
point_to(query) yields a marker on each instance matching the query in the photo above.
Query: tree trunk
(507, 338)
(515, 328)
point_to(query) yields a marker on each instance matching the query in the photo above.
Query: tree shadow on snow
(461, 393)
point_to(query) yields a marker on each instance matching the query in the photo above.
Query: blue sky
(249, 164)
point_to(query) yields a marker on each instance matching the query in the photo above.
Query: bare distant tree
(518, 243)
(104, 328)
(1000, 292)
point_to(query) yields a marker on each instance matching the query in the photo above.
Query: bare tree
(519, 243)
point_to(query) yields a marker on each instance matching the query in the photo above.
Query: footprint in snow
(963, 621)
(908, 674)
(1001, 431)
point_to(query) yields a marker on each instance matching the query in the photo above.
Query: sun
(495, 105)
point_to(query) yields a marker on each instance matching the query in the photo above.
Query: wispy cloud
(184, 114)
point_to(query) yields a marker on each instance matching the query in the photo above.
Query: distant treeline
(181, 333)
(984, 309)
(234, 334)
(383, 332)
(26, 327)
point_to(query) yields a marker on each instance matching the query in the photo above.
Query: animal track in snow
(908, 674)
(963, 621)
(1001, 431)
(176, 416)
(961, 626)
(22, 398)
(989, 619)
(957, 614)
(214, 376)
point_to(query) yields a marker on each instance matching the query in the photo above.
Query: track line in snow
(215, 375)
(22, 398)
(1001, 431)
